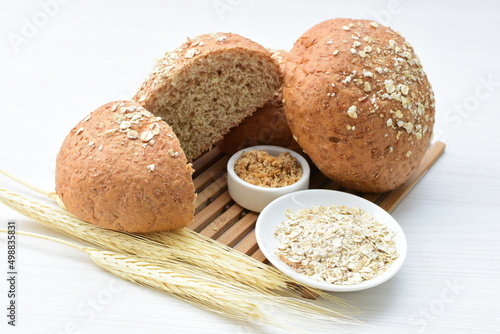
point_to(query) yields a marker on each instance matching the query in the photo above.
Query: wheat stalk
(175, 282)
(189, 284)
(52, 195)
(184, 245)
(191, 241)
(67, 223)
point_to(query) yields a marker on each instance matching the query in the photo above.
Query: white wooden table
(61, 59)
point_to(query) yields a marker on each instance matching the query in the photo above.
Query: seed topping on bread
(123, 168)
(410, 117)
(359, 103)
(134, 123)
(130, 121)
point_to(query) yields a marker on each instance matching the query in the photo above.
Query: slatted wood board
(220, 218)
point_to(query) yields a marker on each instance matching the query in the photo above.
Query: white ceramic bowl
(255, 198)
(274, 214)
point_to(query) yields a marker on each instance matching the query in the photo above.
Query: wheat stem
(66, 223)
(52, 195)
(175, 282)
(46, 237)
(184, 245)
(189, 284)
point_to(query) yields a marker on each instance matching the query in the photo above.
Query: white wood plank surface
(61, 59)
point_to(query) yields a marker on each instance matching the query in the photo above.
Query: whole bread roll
(359, 103)
(267, 126)
(122, 168)
(209, 85)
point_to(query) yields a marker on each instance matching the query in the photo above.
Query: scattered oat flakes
(352, 111)
(173, 153)
(125, 125)
(367, 87)
(335, 244)
(398, 114)
(133, 134)
(191, 53)
(147, 136)
(389, 86)
(367, 73)
(109, 132)
(408, 127)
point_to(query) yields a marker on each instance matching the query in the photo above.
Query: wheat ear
(189, 284)
(49, 194)
(221, 263)
(183, 243)
(65, 222)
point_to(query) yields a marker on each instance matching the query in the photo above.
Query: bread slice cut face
(209, 85)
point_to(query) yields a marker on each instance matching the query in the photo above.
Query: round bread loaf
(122, 168)
(209, 85)
(266, 126)
(359, 103)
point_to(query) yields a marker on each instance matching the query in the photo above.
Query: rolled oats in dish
(335, 244)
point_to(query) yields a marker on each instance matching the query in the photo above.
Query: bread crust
(172, 66)
(122, 168)
(359, 103)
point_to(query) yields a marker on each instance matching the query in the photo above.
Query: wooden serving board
(220, 218)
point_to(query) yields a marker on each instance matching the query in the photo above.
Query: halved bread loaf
(122, 168)
(209, 85)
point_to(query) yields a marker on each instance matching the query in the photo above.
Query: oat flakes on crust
(122, 168)
(359, 103)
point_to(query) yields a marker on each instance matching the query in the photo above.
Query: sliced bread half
(209, 85)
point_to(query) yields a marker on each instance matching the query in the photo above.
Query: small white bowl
(274, 214)
(255, 198)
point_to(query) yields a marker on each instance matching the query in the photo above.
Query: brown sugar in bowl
(256, 198)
